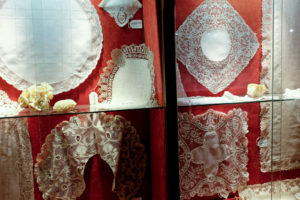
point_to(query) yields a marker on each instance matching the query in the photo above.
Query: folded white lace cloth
(215, 44)
(121, 10)
(49, 41)
(16, 175)
(61, 163)
(212, 153)
(128, 80)
(278, 190)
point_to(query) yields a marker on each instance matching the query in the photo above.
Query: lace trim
(180, 88)
(265, 78)
(122, 12)
(212, 153)
(251, 192)
(61, 163)
(16, 157)
(210, 15)
(8, 107)
(119, 57)
(265, 140)
(78, 76)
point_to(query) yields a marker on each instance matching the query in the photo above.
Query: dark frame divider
(168, 54)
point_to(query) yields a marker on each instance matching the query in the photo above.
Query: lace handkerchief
(58, 42)
(61, 163)
(121, 10)
(212, 153)
(16, 176)
(287, 189)
(128, 80)
(215, 44)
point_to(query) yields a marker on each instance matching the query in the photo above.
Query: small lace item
(286, 189)
(58, 42)
(215, 44)
(16, 176)
(212, 153)
(121, 10)
(61, 163)
(128, 80)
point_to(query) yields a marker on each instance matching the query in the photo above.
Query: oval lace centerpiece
(46, 41)
(216, 44)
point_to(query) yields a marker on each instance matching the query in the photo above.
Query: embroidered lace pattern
(212, 153)
(121, 11)
(83, 66)
(119, 59)
(289, 187)
(215, 15)
(16, 176)
(61, 163)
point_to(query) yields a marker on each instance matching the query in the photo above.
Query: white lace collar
(132, 65)
(61, 163)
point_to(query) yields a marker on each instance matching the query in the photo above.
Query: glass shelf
(79, 109)
(232, 99)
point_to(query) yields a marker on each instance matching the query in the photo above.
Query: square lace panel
(212, 153)
(215, 44)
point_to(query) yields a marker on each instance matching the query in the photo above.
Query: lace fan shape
(16, 176)
(121, 11)
(132, 65)
(212, 153)
(61, 163)
(215, 44)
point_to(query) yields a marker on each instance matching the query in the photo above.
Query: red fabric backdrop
(149, 124)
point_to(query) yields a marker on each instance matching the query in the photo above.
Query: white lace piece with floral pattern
(16, 176)
(121, 10)
(215, 44)
(286, 189)
(128, 80)
(212, 153)
(46, 41)
(61, 163)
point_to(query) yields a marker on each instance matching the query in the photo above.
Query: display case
(82, 109)
(237, 71)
